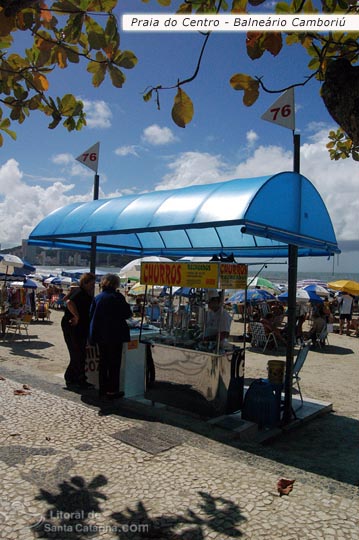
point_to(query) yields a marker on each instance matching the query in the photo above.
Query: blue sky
(141, 149)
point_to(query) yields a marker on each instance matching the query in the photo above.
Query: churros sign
(201, 275)
(233, 276)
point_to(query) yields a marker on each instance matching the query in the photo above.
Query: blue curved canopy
(252, 217)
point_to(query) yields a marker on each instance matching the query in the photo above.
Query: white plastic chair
(297, 366)
(260, 338)
(19, 327)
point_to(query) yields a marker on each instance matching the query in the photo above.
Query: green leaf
(96, 34)
(68, 104)
(184, 9)
(4, 124)
(111, 31)
(148, 95)
(73, 28)
(182, 110)
(282, 7)
(104, 5)
(6, 41)
(117, 77)
(126, 59)
(55, 122)
(73, 55)
(239, 6)
(98, 71)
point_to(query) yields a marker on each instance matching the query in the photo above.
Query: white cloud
(157, 135)
(130, 150)
(98, 114)
(251, 136)
(62, 159)
(194, 168)
(23, 206)
(70, 166)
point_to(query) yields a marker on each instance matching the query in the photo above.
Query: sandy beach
(327, 445)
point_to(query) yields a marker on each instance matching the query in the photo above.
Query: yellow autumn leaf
(250, 86)
(61, 57)
(182, 111)
(241, 81)
(40, 82)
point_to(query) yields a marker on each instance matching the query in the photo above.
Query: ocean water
(282, 277)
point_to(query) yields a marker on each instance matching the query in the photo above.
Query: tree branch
(287, 87)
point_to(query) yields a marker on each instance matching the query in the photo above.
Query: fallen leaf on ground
(284, 486)
(22, 393)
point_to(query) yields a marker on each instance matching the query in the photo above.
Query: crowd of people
(101, 320)
(320, 315)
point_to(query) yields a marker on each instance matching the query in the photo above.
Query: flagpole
(96, 186)
(292, 303)
(282, 113)
(90, 158)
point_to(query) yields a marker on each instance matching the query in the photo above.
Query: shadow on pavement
(25, 348)
(327, 446)
(75, 508)
(333, 349)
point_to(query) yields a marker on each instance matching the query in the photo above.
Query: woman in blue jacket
(109, 330)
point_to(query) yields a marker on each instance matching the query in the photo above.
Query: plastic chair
(298, 364)
(19, 327)
(153, 312)
(260, 338)
(322, 337)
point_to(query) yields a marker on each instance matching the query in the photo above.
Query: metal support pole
(292, 289)
(96, 185)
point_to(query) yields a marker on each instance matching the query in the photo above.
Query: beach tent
(267, 216)
(252, 217)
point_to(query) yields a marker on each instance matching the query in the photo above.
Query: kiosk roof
(253, 217)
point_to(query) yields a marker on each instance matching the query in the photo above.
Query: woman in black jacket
(109, 330)
(75, 326)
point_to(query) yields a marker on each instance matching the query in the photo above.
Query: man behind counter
(218, 321)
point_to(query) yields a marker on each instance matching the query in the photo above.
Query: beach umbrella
(261, 282)
(310, 281)
(301, 295)
(9, 262)
(77, 272)
(253, 296)
(345, 285)
(317, 289)
(59, 281)
(139, 289)
(27, 284)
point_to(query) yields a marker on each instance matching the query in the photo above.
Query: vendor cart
(187, 370)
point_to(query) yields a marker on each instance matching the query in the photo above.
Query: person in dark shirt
(109, 330)
(75, 327)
